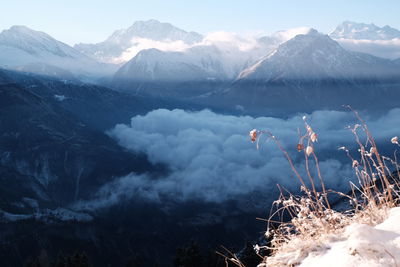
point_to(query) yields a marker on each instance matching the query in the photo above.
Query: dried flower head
(395, 140)
(313, 137)
(372, 150)
(309, 150)
(355, 163)
(253, 135)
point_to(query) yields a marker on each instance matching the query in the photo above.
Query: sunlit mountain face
(135, 151)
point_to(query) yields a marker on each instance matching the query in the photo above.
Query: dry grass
(299, 225)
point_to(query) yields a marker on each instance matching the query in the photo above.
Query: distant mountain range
(308, 58)
(312, 71)
(362, 31)
(368, 38)
(315, 56)
(213, 60)
(150, 53)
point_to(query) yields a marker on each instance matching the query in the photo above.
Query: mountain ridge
(317, 56)
(363, 31)
(121, 40)
(22, 48)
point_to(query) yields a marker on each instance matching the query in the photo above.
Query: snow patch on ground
(60, 97)
(358, 245)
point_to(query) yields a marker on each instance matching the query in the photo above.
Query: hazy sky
(76, 21)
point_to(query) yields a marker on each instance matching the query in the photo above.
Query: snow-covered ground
(358, 245)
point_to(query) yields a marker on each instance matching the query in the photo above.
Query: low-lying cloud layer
(227, 42)
(212, 159)
(139, 44)
(381, 48)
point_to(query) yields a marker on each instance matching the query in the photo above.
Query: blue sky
(76, 21)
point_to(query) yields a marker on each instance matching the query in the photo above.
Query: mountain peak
(313, 31)
(154, 30)
(285, 35)
(316, 57)
(29, 40)
(21, 30)
(312, 55)
(122, 40)
(311, 38)
(150, 25)
(363, 31)
(22, 47)
(150, 22)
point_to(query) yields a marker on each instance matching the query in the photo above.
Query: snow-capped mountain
(125, 44)
(35, 42)
(307, 56)
(216, 59)
(198, 63)
(142, 34)
(155, 65)
(22, 48)
(368, 38)
(220, 56)
(310, 72)
(316, 56)
(362, 31)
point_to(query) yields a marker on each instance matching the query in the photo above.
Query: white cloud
(380, 48)
(247, 46)
(286, 35)
(139, 44)
(226, 40)
(211, 158)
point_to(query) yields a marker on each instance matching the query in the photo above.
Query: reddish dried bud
(253, 135)
(300, 147)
